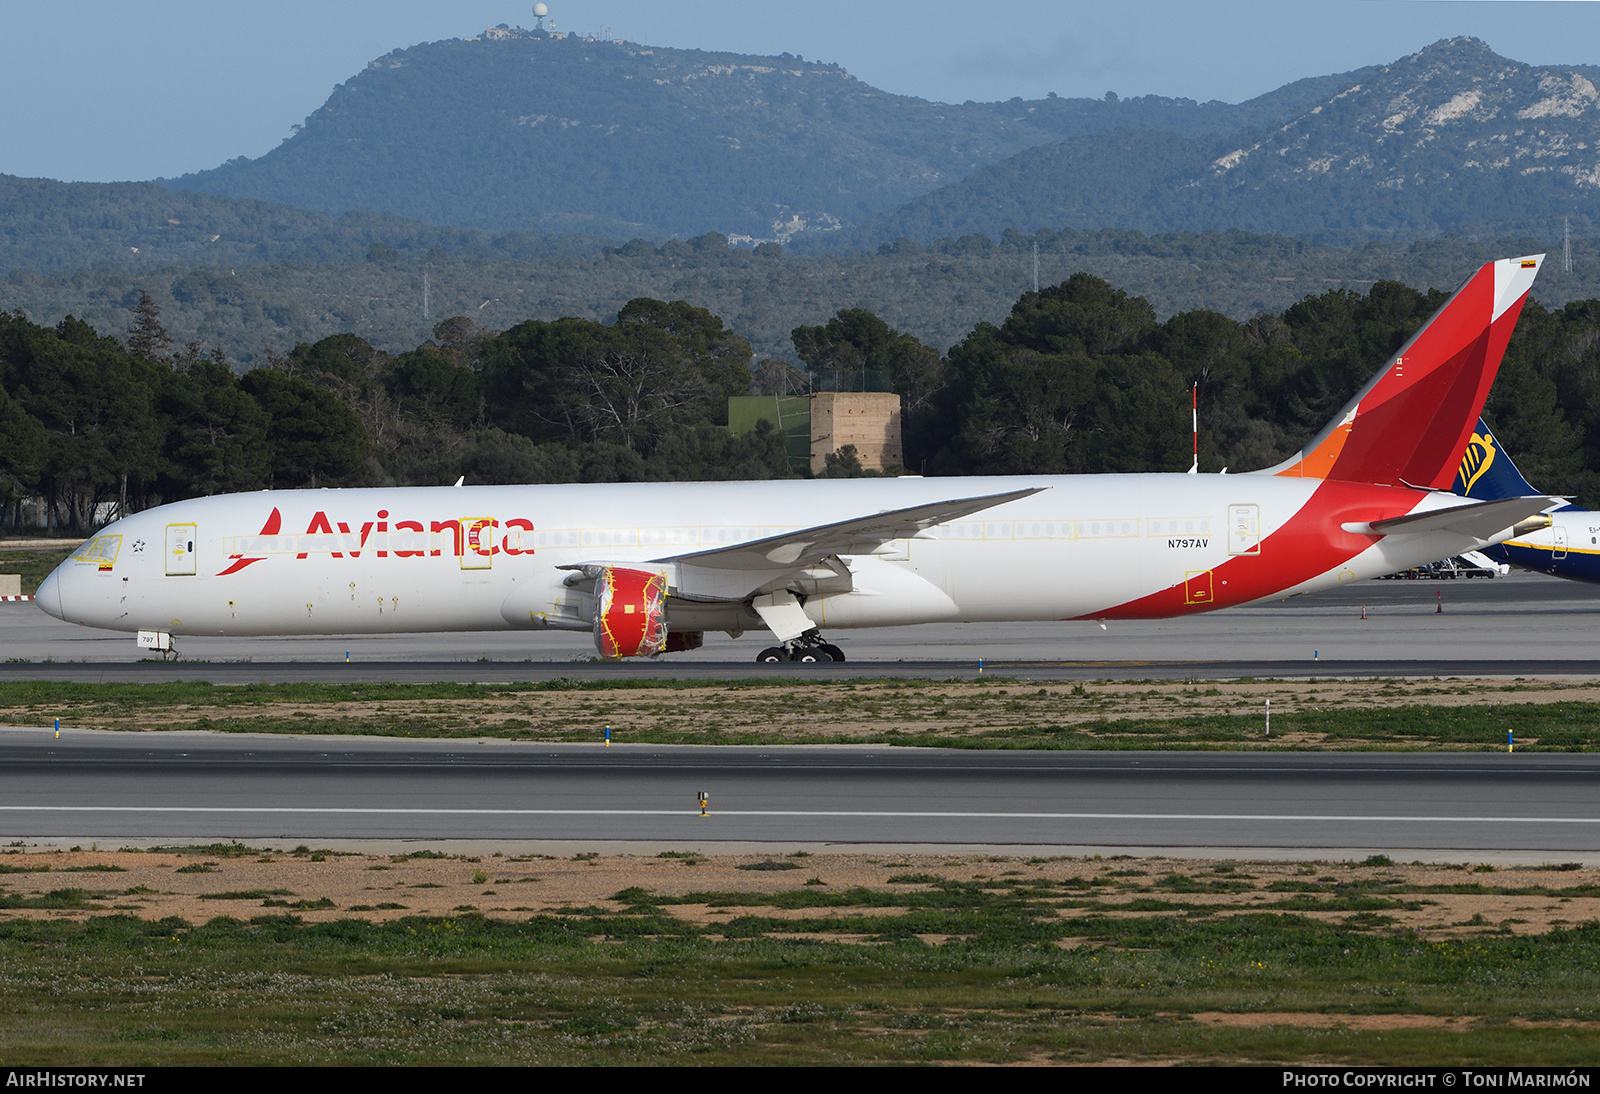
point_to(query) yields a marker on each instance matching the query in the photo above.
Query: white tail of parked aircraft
(649, 567)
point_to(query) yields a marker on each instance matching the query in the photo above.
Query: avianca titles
(649, 567)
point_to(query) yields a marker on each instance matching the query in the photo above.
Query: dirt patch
(1336, 1021)
(1438, 902)
(1301, 1020)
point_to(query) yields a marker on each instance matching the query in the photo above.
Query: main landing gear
(808, 648)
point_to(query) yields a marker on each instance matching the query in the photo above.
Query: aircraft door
(477, 543)
(180, 549)
(1244, 529)
(1559, 532)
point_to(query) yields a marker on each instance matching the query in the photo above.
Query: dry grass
(990, 711)
(237, 955)
(1434, 901)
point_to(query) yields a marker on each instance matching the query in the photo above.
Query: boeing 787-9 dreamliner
(650, 567)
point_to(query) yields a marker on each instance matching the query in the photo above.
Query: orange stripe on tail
(1410, 423)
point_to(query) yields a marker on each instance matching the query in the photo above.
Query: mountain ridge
(526, 131)
(1451, 138)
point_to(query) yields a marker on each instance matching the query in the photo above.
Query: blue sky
(100, 91)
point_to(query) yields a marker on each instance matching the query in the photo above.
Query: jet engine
(678, 641)
(630, 614)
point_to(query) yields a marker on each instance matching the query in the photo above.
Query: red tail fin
(1412, 420)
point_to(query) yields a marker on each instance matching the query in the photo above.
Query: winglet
(1411, 421)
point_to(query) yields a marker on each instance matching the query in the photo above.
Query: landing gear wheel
(813, 655)
(772, 654)
(832, 651)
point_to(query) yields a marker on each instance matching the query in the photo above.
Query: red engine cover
(630, 618)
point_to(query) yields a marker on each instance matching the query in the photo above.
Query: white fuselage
(482, 558)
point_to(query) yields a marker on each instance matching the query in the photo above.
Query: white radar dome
(541, 10)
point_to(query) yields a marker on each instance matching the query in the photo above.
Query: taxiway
(1523, 624)
(200, 787)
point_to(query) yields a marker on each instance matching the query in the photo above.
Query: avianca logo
(469, 538)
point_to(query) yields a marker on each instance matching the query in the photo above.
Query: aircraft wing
(736, 571)
(1479, 521)
(809, 546)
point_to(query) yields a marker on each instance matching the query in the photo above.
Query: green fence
(789, 415)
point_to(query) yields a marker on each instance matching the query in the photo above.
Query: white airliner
(649, 567)
(1569, 547)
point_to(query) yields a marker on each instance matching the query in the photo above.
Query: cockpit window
(101, 549)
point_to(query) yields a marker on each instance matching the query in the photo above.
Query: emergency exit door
(477, 543)
(1244, 529)
(181, 559)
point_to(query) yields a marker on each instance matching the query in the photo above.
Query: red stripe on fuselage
(1308, 544)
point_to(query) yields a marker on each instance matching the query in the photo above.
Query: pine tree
(147, 338)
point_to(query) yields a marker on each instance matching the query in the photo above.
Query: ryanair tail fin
(1409, 424)
(1486, 472)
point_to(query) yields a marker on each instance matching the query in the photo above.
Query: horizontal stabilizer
(1481, 521)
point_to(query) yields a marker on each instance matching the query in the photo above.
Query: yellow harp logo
(1478, 458)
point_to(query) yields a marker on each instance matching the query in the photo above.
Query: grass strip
(979, 718)
(598, 986)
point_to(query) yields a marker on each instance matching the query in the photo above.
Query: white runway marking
(339, 810)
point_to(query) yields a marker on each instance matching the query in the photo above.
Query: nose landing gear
(159, 641)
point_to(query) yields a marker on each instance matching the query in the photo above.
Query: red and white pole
(1194, 419)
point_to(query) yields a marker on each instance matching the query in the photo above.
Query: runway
(1517, 625)
(184, 787)
(499, 672)
(198, 788)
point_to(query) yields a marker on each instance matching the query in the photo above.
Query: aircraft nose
(49, 595)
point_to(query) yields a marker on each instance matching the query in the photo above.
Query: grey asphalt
(197, 787)
(1517, 625)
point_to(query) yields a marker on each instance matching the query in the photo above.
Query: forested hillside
(1079, 377)
(47, 225)
(936, 292)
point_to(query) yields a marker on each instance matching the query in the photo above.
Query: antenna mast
(1194, 419)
